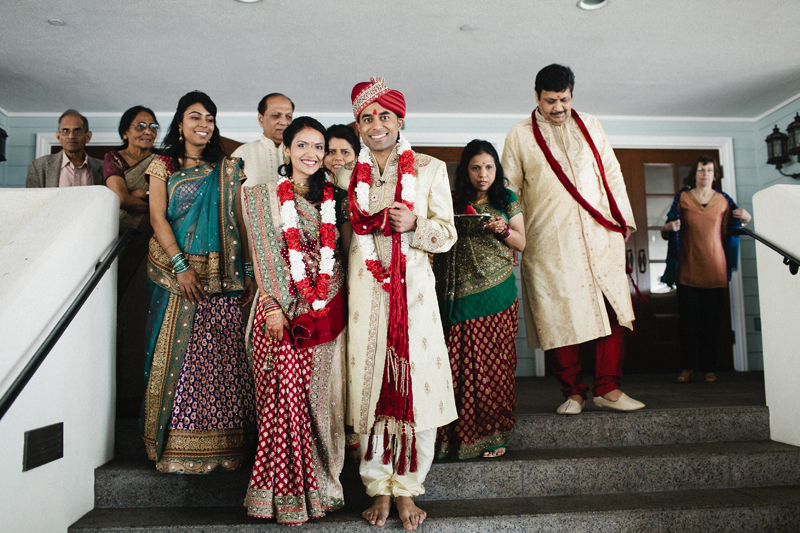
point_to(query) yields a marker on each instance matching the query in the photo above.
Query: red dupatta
(620, 226)
(395, 403)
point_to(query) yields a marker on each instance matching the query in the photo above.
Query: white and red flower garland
(316, 296)
(408, 182)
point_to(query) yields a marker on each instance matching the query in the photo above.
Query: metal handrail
(788, 259)
(38, 358)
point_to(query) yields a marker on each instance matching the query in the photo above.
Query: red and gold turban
(375, 90)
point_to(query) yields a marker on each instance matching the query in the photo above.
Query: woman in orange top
(702, 220)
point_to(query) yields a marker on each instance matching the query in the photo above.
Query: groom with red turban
(399, 386)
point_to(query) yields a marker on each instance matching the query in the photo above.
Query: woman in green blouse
(477, 294)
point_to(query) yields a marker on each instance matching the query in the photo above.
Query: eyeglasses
(705, 170)
(141, 126)
(66, 131)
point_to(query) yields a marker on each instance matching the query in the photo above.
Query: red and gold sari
(299, 380)
(478, 300)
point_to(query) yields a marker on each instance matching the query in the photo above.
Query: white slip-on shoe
(570, 407)
(624, 403)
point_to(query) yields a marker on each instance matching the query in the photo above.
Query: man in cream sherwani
(427, 227)
(577, 220)
(262, 157)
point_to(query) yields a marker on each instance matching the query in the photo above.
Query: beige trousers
(380, 479)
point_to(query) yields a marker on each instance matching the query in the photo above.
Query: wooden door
(652, 178)
(451, 155)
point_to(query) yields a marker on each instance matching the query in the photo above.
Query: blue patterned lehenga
(198, 413)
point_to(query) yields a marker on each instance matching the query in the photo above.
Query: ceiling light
(468, 27)
(57, 22)
(590, 5)
(248, 1)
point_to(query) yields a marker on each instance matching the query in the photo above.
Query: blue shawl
(730, 241)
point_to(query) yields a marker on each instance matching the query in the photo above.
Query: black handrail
(38, 358)
(788, 259)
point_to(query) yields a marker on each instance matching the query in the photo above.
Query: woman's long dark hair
(175, 149)
(465, 193)
(317, 181)
(127, 119)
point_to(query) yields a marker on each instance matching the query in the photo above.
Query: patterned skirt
(213, 413)
(483, 359)
(300, 399)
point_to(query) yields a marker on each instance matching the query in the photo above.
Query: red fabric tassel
(387, 445)
(413, 450)
(401, 464)
(370, 445)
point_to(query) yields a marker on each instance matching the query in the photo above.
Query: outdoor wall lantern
(780, 146)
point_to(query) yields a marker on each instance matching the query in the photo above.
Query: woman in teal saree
(198, 414)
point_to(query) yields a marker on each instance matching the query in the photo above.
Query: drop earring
(180, 134)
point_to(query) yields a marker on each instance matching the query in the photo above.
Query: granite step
(774, 509)
(596, 428)
(590, 429)
(519, 473)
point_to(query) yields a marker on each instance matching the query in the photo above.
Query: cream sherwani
(570, 261)
(432, 386)
(261, 161)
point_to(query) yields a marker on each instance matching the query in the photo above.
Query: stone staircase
(696, 469)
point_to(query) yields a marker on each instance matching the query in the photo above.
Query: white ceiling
(687, 58)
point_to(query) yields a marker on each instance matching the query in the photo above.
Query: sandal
(710, 377)
(685, 375)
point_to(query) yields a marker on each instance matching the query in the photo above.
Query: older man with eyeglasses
(71, 166)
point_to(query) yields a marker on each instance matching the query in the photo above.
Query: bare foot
(495, 453)
(411, 515)
(378, 512)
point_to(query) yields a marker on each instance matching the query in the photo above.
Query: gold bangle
(273, 312)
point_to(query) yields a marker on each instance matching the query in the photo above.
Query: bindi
(374, 111)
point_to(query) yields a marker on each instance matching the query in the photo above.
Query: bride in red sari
(298, 334)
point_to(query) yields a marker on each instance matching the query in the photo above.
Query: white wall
(777, 216)
(50, 241)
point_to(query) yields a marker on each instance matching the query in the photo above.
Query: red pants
(609, 353)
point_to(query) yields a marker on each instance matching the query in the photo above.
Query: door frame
(726, 160)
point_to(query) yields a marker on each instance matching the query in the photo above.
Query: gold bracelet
(273, 312)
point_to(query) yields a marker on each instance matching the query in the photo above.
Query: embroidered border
(170, 349)
(289, 509)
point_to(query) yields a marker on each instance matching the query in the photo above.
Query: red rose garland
(315, 295)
